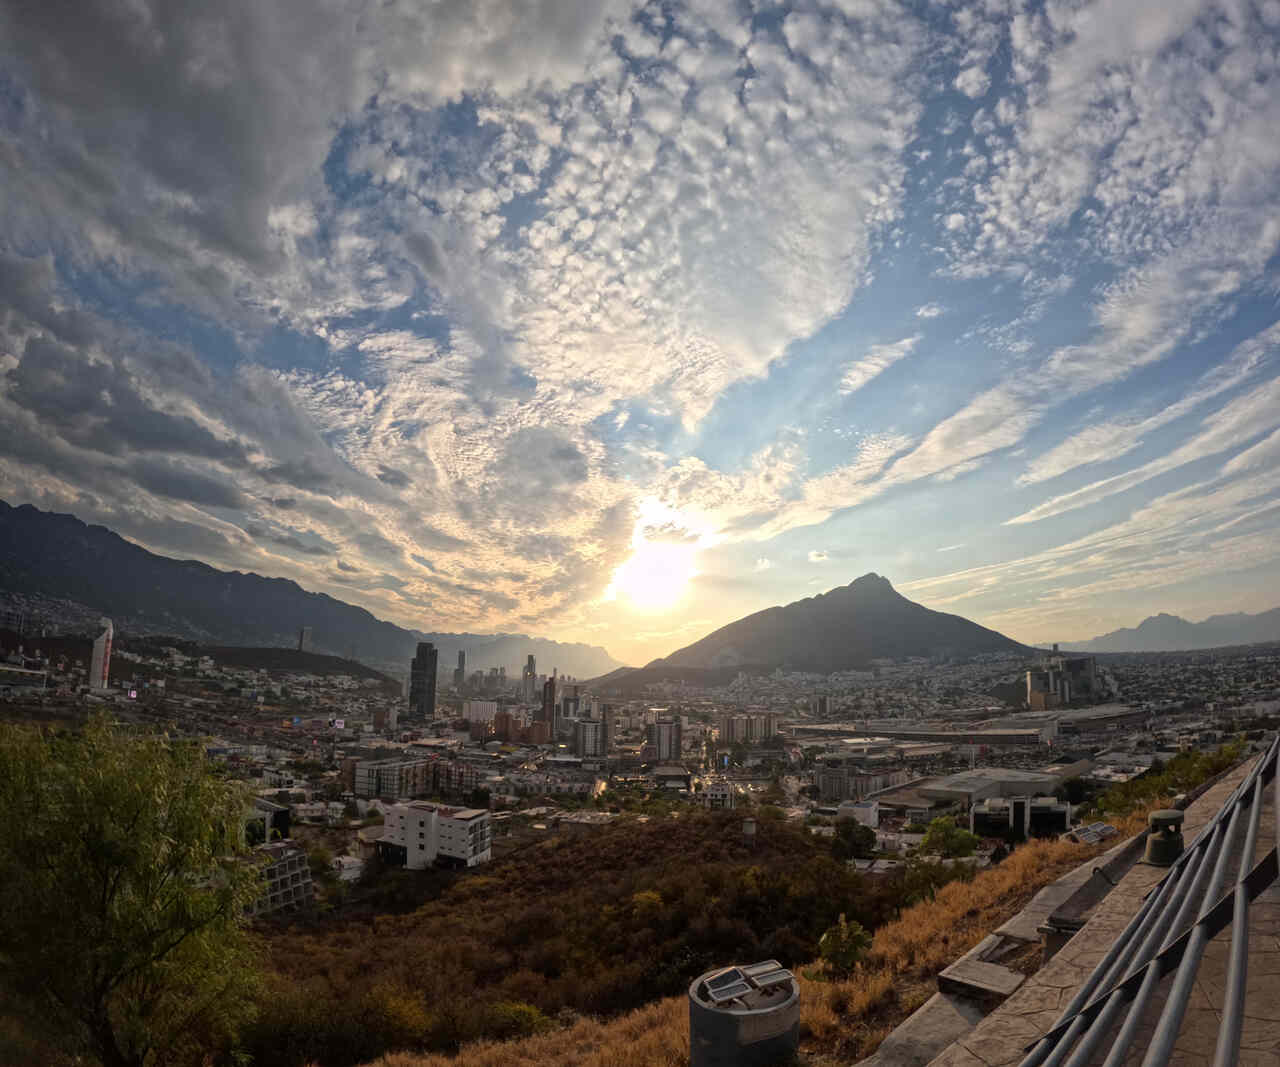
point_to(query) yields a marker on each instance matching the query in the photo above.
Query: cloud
(930, 311)
(878, 359)
(763, 564)
(817, 555)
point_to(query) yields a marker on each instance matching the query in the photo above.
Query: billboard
(339, 724)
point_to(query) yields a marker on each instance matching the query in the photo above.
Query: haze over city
(613, 323)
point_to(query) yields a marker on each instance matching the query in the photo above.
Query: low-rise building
(421, 833)
(720, 796)
(286, 879)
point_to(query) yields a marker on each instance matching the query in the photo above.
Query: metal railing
(1178, 918)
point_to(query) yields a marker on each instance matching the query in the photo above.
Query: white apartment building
(418, 833)
(479, 710)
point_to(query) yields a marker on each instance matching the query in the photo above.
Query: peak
(870, 580)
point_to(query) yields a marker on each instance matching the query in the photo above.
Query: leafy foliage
(843, 946)
(948, 840)
(1182, 773)
(122, 923)
(852, 840)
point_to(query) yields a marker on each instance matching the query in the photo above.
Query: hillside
(1171, 633)
(596, 923)
(844, 629)
(94, 571)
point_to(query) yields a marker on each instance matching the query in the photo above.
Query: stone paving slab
(937, 1023)
(1002, 1037)
(982, 981)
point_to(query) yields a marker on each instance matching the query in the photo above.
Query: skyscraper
(460, 674)
(665, 737)
(529, 680)
(422, 682)
(100, 663)
(548, 713)
(304, 639)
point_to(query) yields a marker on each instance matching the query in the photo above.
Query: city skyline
(615, 324)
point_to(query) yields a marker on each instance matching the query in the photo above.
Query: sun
(656, 575)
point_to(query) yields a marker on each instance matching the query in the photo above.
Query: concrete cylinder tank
(744, 1016)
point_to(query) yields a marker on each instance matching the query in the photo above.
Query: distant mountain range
(89, 571)
(1170, 633)
(844, 629)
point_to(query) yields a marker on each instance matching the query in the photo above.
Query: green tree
(852, 840)
(123, 923)
(843, 945)
(947, 839)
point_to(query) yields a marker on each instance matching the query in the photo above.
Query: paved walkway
(1003, 1036)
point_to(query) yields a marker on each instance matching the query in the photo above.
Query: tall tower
(460, 672)
(422, 682)
(100, 663)
(529, 679)
(304, 639)
(548, 713)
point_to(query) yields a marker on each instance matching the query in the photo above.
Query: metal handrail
(1162, 936)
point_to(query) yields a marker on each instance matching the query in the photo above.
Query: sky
(614, 322)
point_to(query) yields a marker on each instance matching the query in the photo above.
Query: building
(673, 776)
(748, 728)
(304, 639)
(589, 738)
(529, 680)
(460, 673)
(720, 796)
(286, 879)
(100, 661)
(479, 710)
(842, 781)
(392, 778)
(386, 718)
(1062, 680)
(864, 812)
(420, 834)
(548, 712)
(665, 738)
(422, 682)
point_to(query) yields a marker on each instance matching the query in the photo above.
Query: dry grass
(656, 1035)
(844, 1018)
(841, 1021)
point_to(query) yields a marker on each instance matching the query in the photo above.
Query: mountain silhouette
(1172, 633)
(845, 629)
(54, 556)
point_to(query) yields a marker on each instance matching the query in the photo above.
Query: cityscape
(640, 533)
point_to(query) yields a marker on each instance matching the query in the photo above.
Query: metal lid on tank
(751, 987)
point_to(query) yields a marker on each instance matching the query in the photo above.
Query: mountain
(844, 629)
(1170, 633)
(83, 571)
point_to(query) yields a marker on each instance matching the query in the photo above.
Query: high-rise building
(422, 682)
(529, 680)
(588, 738)
(460, 673)
(100, 662)
(665, 737)
(548, 712)
(304, 639)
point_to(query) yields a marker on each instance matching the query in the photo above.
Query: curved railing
(1170, 931)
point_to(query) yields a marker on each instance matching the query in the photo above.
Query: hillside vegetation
(841, 1021)
(594, 924)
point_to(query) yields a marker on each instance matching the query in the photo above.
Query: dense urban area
(373, 795)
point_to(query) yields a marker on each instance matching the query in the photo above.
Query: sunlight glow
(656, 576)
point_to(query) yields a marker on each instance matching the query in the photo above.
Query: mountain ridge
(845, 628)
(1172, 633)
(58, 556)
